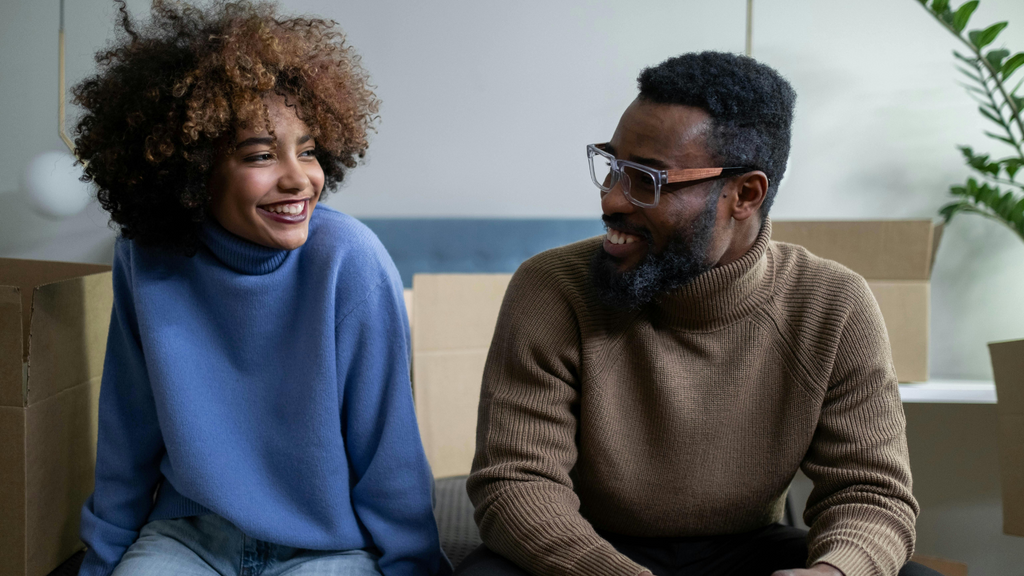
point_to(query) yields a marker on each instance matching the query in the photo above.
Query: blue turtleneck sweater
(269, 387)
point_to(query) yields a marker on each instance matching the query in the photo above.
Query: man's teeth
(620, 237)
(288, 209)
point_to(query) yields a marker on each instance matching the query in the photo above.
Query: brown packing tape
(1008, 369)
(11, 360)
(456, 311)
(904, 307)
(69, 334)
(60, 468)
(12, 490)
(876, 249)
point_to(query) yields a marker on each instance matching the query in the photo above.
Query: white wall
(488, 105)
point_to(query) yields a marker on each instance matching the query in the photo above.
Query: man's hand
(816, 570)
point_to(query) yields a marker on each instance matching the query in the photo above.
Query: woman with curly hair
(255, 413)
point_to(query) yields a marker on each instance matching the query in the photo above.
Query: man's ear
(751, 190)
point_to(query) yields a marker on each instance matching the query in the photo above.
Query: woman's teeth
(288, 209)
(620, 237)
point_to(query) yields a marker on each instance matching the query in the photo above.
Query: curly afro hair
(170, 95)
(750, 104)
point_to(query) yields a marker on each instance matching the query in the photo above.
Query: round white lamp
(51, 181)
(52, 186)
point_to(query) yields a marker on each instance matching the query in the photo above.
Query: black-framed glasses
(642, 184)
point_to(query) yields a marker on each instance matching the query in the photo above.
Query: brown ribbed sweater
(690, 416)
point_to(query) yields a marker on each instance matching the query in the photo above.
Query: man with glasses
(649, 395)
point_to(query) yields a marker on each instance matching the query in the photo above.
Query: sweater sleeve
(392, 482)
(526, 438)
(129, 444)
(861, 511)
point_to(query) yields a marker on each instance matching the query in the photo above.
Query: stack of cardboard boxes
(53, 334)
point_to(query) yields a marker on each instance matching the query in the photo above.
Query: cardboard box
(896, 258)
(453, 319)
(54, 318)
(1008, 368)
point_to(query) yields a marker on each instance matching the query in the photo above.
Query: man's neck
(741, 238)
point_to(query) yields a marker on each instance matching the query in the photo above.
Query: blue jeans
(207, 545)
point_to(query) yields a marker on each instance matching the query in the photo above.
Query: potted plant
(996, 193)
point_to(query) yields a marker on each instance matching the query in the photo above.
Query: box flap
(875, 249)
(12, 392)
(28, 274)
(455, 311)
(1008, 369)
(68, 334)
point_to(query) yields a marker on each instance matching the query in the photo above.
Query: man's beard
(683, 259)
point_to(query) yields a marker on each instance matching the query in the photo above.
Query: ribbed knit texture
(269, 387)
(690, 416)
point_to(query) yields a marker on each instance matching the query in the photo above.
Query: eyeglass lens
(639, 184)
(601, 171)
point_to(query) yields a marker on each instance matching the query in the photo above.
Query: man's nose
(614, 201)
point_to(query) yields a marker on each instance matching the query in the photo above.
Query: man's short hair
(750, 104)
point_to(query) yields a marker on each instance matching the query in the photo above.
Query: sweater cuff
(603, 560)
(851, 560)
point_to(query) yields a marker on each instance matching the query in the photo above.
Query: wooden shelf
(950, 392)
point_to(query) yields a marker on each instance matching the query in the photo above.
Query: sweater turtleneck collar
(724, 294)
(239, 254)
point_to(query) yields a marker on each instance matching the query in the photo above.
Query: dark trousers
(757, 553)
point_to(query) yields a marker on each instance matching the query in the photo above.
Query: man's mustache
(618, 221)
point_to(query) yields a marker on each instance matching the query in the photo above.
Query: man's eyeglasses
(642, 184)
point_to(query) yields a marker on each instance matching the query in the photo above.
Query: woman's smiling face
(266, 187)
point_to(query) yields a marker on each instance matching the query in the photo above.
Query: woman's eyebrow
(304, 139)
(262, 141)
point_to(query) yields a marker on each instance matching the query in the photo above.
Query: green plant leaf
(1016, 214)
(969, 59)
(971, 74)
(990, 108)
(1001, 204)
(963, 14)
(1012, 166)
(996, 57)
(1011, 65)
(1018, 102)
(949, 210)
(940, 6)
(982, 38)
(1001, 138)
(989, 195)
(990, 116)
